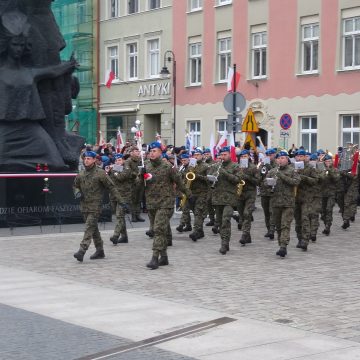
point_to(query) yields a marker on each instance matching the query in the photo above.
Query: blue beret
(300, 152)
(155, 145)
(207, 150)
(198, 151)
(165, 156)
(308, 153)
(327, 157)
(105, 160)
(90, 154)
(118, 156)
(224, 149)
(320, 151)
(282, 153)
(313, 157)
(270, 151)
(244, 152)
(184, 156)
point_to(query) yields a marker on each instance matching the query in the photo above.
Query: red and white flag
(232, 148)
(119, 141)
(101, 139)
(109, 78)
(230, 80)
(212, 145)
(223, 141)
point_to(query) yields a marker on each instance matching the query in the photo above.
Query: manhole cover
(283, 321)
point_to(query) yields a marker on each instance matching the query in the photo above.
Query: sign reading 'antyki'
(154, 89)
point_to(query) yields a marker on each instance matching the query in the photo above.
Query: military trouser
(340, 200)
(223, 216)
(266, 205)
(302, 220)
(136, 197)
(246, 206)
(162, 230)
(120, 227)
(185, 216)
(199, 211)
(350, 202)
(315, 210)
(283, 217)
(210, 207)
(91, 231)
(328, 204)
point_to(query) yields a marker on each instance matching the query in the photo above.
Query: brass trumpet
(190, 177)
(239, 187)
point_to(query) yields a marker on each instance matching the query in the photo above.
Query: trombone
(190, 177)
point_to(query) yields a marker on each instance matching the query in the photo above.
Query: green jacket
(200, 184)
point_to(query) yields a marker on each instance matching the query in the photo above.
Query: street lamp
(169, 57)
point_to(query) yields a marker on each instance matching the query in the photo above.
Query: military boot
(188, 227)
(267, 234)
(223, 250)
(139, 218)
(245, 239)
(215, 229)
(210, 223)
(302, 245)
(346, 224)
(123, 239)
(150, 233)
(282, 252)
(271, 236)
(134, 218)
(298, 245)
(154, 263)
(180, 228)
(326, 231)
(164, 260)
(195, 235)
(201, 234)
(352, 219)
(79, 255)
(236, 218)
(114, 239)
(313, 238)
(98, 254)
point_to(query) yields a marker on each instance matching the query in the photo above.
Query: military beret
(207, 150)
(198, 151)
(282, 153)
(308, 153)
(118, 156)
(320, 151)
(224, 149)
(90, 154)
(184, 156)
(313, 157)
(165, 156)
(105, 160)
(244, 152)
(155, 145)
(300, 152)
(327, 157)
(270, 152)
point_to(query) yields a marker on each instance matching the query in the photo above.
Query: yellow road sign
(249, 124)
(250, 139)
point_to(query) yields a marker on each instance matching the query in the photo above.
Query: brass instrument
(190, 177)
(264, 170)
(239, 187)
(214, 178)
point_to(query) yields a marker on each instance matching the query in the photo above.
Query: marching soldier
(210, 209)
(246, 203)
(265, 192)
(160, 196)
(224, 195)
(284, 180)
(89, 186)
(123, 178)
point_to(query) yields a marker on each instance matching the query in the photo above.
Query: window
(195, 64)
(132, 52)
(310, 48)
(114, 8)
(153, 58)
(195, 5)
(351, 43)
(84, 58)
(224, 56)
(113, 60)
(221, 126)
(133, 6)
(223, 2)
(308, 133)
(259, 48)
(81, 12)
(350, 129)
(194, 130)
(154, 4)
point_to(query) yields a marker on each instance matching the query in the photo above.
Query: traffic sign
(285, 121)
(250, 139)
(240, 102)
(285, 133)
(249, 124)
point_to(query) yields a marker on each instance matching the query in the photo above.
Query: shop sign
(154, 89)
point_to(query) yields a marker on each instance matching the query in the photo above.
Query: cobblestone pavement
(316, 291)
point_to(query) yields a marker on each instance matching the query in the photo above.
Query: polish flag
(223, 141)
(232, 148)
(212, 145)
(230, 81)
(101, 139)
(119, 141)
(110, 76)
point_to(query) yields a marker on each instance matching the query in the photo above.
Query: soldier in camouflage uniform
(330, 181)
(160, 198)
(133, 162)
(123, 178)
(304, 201)
(283, 201)
(185, 220)
(210, 208)
(266, 194)
(246, 203)
(199, 189)
(89, 186)
(224, 196)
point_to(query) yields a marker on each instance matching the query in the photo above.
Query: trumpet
(190, 177)
(264, 170)
(239, 187)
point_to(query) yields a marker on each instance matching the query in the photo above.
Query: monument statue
(36, 89)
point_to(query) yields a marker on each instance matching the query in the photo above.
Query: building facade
(134, 36)
(77, 20)
(296, 57)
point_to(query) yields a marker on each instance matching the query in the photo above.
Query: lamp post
(169, 57)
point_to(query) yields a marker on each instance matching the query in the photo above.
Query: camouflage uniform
(225, 199)
(210, 208)
(350, 196)
(246, 202)
(266, 196)
(123, 181)
(137, 187)
(283, 200)
(91, 183)
(160, 199)
(185, 220)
